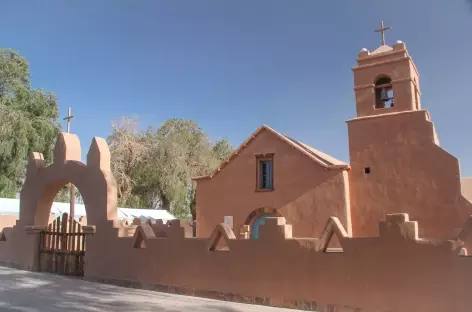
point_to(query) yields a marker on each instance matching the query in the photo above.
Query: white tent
(11, 207)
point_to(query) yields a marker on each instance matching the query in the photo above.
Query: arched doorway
(97, 186)
(258, 217)
(62, 243)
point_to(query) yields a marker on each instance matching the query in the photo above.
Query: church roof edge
(321, 158)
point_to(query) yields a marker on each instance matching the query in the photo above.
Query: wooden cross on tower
(72, 188)
(382, 30)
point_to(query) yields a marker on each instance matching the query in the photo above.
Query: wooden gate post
(36, 231)
(63, 247)
(60, 246)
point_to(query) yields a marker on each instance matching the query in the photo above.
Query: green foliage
(28, 121)
(155, 167)
(63, 196)
(128, 148)
(222, 149)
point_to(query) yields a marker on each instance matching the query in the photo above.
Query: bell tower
(397, 165)
(386, 80)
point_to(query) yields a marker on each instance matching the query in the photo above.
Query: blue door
(260, 220)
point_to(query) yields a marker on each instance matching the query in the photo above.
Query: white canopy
(11, 207)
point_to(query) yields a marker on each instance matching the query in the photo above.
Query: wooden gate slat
(73, 226)
(65, 220)
(62, 247)
(69, 243)
(51, 246)
(51, 258)
(49, 237)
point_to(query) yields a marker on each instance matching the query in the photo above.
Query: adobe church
(396, 166)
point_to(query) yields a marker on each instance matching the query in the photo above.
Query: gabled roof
(321, 158)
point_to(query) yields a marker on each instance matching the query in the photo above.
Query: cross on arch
(68, 118)
(382, 30)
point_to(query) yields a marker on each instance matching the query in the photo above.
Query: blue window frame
(265, 174)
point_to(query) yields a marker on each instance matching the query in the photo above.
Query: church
(396, 166)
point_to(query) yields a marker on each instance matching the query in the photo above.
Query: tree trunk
(193, 211)
(165, 203)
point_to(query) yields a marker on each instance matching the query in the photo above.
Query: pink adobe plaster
(94, 180)
(306, 192)
(221, 231)
(10, 221)
(141, 236)
(409, 171)
(370, 273)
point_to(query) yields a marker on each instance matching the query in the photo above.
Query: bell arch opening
(257, 218)
(384, 93)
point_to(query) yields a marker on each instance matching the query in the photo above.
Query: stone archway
(94, 180)
(257, 218)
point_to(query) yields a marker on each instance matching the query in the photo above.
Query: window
(384, 93)
(265, 176)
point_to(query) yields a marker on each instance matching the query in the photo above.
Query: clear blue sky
(233, 65)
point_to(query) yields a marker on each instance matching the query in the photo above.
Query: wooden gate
(62, 247)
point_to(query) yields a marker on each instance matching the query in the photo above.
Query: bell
(384, 95)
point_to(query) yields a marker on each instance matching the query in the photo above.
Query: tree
(183, 151)
(28, 121)
(128, 148)
(162, 174)
(63, 196)
(221, 150)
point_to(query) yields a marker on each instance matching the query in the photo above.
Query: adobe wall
(409, 173)
(18, 247)
(305, 193)
(18, 244)
(9, 221)
(395, 272)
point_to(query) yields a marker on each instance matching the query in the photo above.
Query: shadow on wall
(22, 291)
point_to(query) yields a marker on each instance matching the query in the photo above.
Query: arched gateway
(257, 218)
(98, 188)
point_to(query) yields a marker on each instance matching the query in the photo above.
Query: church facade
(396, 166)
